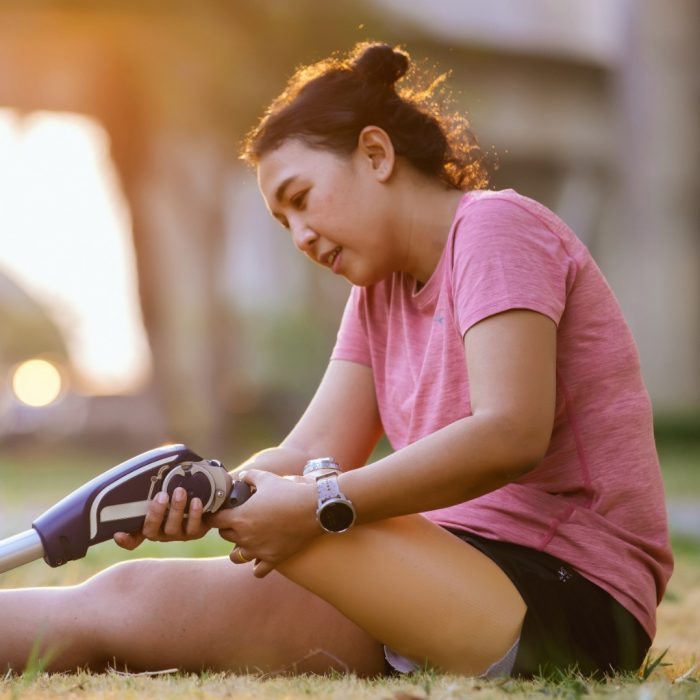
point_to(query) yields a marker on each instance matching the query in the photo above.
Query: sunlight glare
(65, 238)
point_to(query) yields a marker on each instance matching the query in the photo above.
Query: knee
(109, 602)
(119, 580)
(125, 590)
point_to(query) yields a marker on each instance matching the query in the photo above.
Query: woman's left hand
(276, 522)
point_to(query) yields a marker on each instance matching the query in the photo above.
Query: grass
(29, 483)
(420, 685)
(680, 465)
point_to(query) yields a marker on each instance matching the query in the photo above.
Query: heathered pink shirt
(596, 499)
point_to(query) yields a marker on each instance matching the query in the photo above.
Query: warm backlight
(37, 383)
(65, 239)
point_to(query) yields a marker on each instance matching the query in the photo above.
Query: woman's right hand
(165, 522)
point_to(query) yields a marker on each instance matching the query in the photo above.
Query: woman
(518, 526)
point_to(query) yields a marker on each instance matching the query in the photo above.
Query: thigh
(570, 622)
(208, 613)
(417, 588)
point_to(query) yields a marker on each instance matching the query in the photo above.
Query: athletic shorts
(570, 623)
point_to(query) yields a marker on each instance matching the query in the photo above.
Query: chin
(365, 276)
(363, 279)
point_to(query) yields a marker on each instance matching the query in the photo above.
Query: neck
(429, 213)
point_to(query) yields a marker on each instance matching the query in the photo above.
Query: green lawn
(418, 686)
(680, 466)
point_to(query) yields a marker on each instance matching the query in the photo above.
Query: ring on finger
(241, 558)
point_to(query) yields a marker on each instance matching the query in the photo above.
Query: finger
(173, 523)
(128, 540)
(254, 477)
(154, 517)
(239, 556)
(262, 568)
(194, 527)
(220, 520)
(228, 534)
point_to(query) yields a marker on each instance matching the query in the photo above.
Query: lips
(331, 258)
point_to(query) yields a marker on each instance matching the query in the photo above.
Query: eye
(299, 199)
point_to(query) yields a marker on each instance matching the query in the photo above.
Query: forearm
(462, 461)
(283, 460)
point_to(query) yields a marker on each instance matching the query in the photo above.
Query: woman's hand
(276, 522)
(167, 524)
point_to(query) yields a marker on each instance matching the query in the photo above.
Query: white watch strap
(328, 488)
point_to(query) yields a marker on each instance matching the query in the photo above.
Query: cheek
(326, 203)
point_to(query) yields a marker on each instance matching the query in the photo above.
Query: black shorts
(570, 622)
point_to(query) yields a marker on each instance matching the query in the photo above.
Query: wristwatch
(335, 513)
(321, 464)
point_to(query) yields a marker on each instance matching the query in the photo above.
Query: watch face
(336, 517)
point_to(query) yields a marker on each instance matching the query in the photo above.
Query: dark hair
(327, 104)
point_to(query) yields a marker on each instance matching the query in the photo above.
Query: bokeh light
(37, 382)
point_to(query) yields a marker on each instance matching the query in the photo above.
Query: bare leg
(419, 589)
(189, 614)
(403, 581)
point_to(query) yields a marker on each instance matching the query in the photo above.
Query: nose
(303, 237)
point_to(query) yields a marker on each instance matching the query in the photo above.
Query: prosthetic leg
(117, 501)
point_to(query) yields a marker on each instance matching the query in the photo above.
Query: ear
(374, 144)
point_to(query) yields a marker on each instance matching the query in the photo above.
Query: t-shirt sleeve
(507, 257)
(351, 343)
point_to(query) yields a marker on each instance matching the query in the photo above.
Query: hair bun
(380, 64)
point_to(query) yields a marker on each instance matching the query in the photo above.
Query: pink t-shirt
(596, 499)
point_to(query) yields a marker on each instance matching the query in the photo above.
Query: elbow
(525, 463)
(523, 445)
(534, 445)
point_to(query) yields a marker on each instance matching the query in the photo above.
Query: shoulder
(508, 252)
(505, 219)
(494, 206)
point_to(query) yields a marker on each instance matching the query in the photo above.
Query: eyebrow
(279, 192)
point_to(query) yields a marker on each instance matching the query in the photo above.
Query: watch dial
(336, 517)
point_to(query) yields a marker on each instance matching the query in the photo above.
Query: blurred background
(146, 295)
